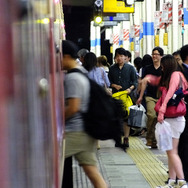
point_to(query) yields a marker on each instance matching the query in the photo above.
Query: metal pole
(175, 32)
(149, 25)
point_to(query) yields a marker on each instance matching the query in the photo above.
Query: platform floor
(138, 167)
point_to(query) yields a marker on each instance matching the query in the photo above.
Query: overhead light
(98, 19)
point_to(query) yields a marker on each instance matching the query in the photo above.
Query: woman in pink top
(170, 79)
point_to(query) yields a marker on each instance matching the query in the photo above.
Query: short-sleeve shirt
(76, 86)
(124, 77)
(151, 91)
(99, 75)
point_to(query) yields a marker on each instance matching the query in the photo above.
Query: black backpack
(104, 118)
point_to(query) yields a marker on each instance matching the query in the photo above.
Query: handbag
(171, 110)
(137, 117)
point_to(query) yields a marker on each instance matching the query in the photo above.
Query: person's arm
(117, 87)
(143, 85)
(151, 79)
(133, 77)
(72, 107)
(173, 85)
(106, 79)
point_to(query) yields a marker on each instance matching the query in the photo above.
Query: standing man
(122, 77)
(78, 143)
(183, 144)
(151, 95)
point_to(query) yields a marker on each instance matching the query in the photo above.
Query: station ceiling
(81, 3)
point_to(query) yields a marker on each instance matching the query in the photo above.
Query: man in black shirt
(122, 77)
(183, 143)
(151, 96)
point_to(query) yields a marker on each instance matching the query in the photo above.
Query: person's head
(81, 54)
(177, 57)
(90, 61)
(184, 53)
(138, 63)
(129, 55)
(102, 60)
(147, 60)
(69, 50)
(157, 54)
(169, 65)
(120, 54)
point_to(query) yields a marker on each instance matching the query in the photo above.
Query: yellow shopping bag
(125, 98)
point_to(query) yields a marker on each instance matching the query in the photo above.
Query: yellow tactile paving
(150, 166)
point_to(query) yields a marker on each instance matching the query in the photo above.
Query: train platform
(138, 167)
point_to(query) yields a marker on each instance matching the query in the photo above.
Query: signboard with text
(117, 7)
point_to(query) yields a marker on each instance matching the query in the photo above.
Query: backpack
(104, 117)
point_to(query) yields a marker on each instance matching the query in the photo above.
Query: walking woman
(170, 79)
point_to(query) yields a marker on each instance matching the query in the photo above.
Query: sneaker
(170, 184)
(181, 184)
(149, 143)
(166, 186)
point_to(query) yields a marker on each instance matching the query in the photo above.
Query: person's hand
(139, 101)
(128, 90)
(160, 117)
(118, 87)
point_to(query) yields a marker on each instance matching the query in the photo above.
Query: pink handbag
(171, 111)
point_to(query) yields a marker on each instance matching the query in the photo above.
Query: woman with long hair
(97, 74)
(171, 79)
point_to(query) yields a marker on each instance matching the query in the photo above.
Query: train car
(31, 94)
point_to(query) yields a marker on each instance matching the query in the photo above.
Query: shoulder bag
(176, 105)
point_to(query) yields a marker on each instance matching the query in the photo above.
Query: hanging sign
(165, 13)
(117, 7)
(157, 16)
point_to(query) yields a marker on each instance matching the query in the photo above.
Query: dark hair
(159, 49)
(90, 61)
(147, 60)
(138, 63)
(69, 48)
(121, 51)
(176, 53)
(169, 65)
(129, 54)
(184, 52)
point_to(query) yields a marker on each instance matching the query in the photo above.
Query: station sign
(117, 7)
(118, 17)
(107, 24)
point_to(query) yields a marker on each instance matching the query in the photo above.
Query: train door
(31, 90)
